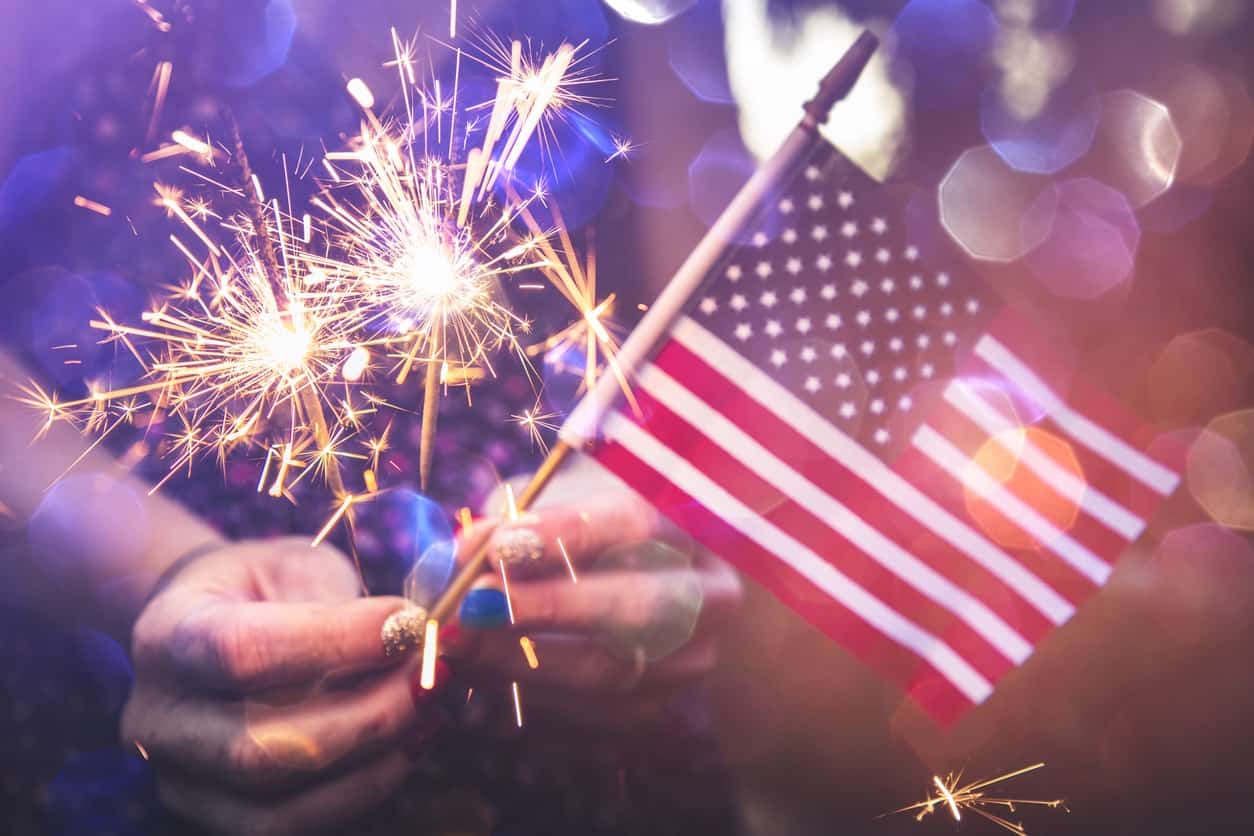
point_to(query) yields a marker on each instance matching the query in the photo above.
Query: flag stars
(803, 325)
(872, 377)
(812, 173)
(946, 309)
(743, 331)
(798, 295)
(812, 384)
(853, 258)
(789, 236)
(843, 381)
(863, 318)
(828, 291)
(768, 299)
(891, 315)
(738, 302)
(844, 200)
(876, 406)
(786, 205)
(919, 312)
(911, 253)
(879, 226)
(867, 347)
(949, 338)
(858, 288)
(888, 285)
(763, 270)
(899, 374)
(709, 305)
(881, 436)
(760, 239)
(973, 306)
(848, 410)
(808, 354)
(838, 351)
(904, 403)
(779, 357)
(819, 233)
(926, 371)
(833, 321)
(895, 344)
(923, 341)
(883, 256)
(916, 282)
(793, 265)
(734, 272)
(823, 262)
(849, 229)
(942, 280)
(815, 202)
(773, 328)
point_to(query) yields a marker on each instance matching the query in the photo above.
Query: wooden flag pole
(580, 427)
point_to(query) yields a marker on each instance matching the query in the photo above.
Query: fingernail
(453, 641)
(517, 546)
(484, 608)
(403, 630)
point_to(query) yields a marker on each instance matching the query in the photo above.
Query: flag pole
(580, 427)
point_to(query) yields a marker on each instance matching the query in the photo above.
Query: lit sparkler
(973, 798)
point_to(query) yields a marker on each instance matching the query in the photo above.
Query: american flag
(883, 444)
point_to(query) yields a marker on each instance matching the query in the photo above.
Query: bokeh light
(649, 12)
(1001, 457)
(89, 525)
(775, 69)
(946, 44)
(1032, 64)
(1197, 17)
(1221, 470)
(255, 41)
(1048, 141)
(694, 47)
(1091, 239)
(667, 625)
(716, 173)
(983, 203)
(1137, 148)
(1198, 375)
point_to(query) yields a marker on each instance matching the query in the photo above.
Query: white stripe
(950, 459)
(792, 484)
(1019, 445)
(774, 398)
(1098, 439)
(808, 564)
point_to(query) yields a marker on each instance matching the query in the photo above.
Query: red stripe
(774, 506)
(934, 693)
(1029, 487)
(838, 481)
(947, 493)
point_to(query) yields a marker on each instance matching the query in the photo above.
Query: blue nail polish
(484, 609)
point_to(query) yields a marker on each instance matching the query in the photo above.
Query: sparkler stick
(430, 411)
(580, 428)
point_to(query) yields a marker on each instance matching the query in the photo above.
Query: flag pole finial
(840, 79)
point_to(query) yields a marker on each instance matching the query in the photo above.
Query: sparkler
(973, 798)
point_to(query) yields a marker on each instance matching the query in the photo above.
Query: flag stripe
(939, 449)
(894, 661)
(742, 481)
(827, 509)
(1079, 491)
(765, 394)
(784, 547)
(1077, 426)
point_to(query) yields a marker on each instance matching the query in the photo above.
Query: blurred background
(1091, 159)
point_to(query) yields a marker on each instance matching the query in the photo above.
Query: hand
(262, 694)
(640, 623)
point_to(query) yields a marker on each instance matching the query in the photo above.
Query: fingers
(322, 808)
(228, 646)
(256, 746)
(572, 534)
(617, 600)
(573, 664)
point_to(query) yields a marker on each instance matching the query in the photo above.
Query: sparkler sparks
(973, 798)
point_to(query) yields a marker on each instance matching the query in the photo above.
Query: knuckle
(235, 654)
(246, 759)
